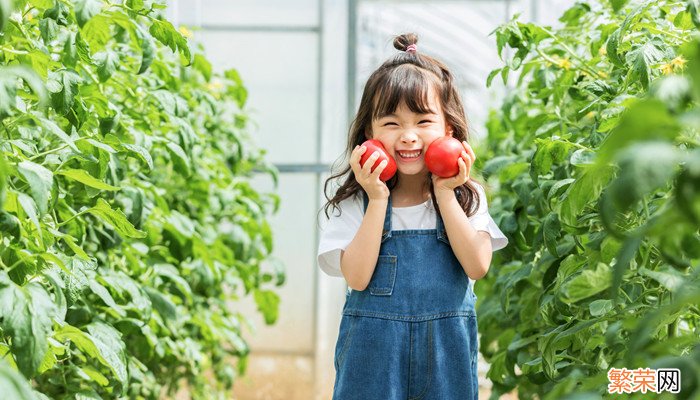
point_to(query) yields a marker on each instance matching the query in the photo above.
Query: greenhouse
(349, 199)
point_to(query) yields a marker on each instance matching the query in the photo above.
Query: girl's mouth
(409, 155)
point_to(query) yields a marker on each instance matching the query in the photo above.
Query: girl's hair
(406, 77)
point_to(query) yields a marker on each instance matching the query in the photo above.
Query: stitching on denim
(390, 261)
(410, 357)
(430, 364)
(420, 318)
(346, 344)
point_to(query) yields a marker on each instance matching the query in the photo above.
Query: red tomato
(442, 155)
(373, 145)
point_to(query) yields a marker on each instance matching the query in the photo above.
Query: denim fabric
(412, 333)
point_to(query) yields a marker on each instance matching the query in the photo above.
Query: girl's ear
(449, 130)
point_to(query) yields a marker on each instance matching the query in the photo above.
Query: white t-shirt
(338, 231)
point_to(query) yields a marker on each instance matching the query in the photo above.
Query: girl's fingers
(463, 171)
(377, 171)
(367, 168)
(469, 151)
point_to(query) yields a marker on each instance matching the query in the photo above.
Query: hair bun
(401, 42)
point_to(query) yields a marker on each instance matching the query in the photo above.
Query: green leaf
(13, 385)
(625, 255)
(587, 283)
(86, 9)
(59, 12)
(492, 75)
(5, 11)
(116, 219)
(103, 294)
(29, 207)
(9, 225)
(668, 277)
(616, 37)
(70, 241)
(618, 4)
(643, 121)
(202, 65)
(693, 7)
(612, 46)
(97, 348)
(180, 159)
(52, 275)
(95, 375)
(268, 304)
(8, 87)
(140, 152)
(107, 62)
(69, 81)
(111, 346)
(644, 168)
(584, 190)
(170, 272)
(3, 180)
(49, 29)
(238, 91)
(166, 33)
(85, 178)
(96, 32)
(27, 318)
(600, 307)
(641, 60)
(40, 181)
(148, 50)
(54, 129)
(165, 307)
(549, 151)
(551, 230)
(128, 288)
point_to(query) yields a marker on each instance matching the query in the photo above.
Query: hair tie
(411, 48)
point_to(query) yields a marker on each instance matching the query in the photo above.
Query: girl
(411, 248)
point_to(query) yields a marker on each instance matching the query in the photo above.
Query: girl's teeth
(411, 154)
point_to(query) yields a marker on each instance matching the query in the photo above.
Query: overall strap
(386, 231)
(440, 227)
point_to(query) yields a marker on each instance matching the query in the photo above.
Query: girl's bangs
(409, 85)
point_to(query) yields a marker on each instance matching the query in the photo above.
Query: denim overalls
(411, 334)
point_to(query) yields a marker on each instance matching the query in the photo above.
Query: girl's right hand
(368, 179)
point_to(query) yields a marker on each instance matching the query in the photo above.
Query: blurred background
(305, 63)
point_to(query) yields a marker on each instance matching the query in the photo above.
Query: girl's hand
(370, 182)
(465, 163)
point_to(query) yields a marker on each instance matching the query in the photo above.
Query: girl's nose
(409, 137)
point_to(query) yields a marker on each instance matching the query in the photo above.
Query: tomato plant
(594, 161)
(128, 224)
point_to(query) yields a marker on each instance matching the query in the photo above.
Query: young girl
(411, 248)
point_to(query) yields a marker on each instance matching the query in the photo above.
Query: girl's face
(406, 135)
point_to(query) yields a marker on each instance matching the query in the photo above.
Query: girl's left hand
(465, 162)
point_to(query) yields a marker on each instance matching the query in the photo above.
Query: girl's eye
(389, 123)
(425, 121)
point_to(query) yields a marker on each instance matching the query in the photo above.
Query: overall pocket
(382, 283)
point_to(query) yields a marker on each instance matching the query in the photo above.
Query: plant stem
(13, 51)
(47, 152)
(71, 218)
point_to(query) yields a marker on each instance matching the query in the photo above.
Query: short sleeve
(337, 232)
(482, 221)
